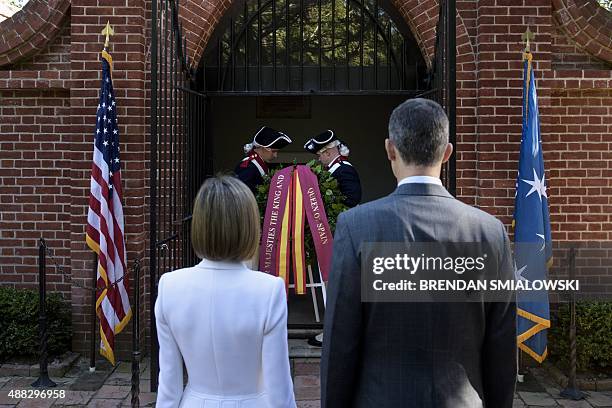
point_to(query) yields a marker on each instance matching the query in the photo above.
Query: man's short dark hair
(419, 130)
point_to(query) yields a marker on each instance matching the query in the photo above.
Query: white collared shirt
(420, 179)
(332, 160)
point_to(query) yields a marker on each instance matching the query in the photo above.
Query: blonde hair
(225, 223)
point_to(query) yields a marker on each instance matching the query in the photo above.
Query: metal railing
(43, 380)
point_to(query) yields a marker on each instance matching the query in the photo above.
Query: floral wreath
(332, 198)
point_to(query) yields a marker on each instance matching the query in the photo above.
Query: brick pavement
(539, 391)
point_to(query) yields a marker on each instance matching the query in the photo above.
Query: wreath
(333, 200)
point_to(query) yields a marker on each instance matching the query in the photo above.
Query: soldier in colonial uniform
(263, 149)
(333, 154)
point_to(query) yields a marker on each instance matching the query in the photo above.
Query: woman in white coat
(225, 321)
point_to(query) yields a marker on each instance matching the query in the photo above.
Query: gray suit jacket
(421, 355)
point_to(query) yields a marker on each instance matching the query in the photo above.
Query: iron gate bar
(165, 73)
(191, 91)
(219, 59)
(389, 55)
(287, 47)
(177, 30)
(416, 71)
(333, 41)
(408, 93)
(385, 33)
(362, 28)
(259, 41)
(273, 43)
(376, 51)
(347, 12)
(301, 43)
(170, 137)
(167, 127)
(246, 46)
(169, 246)
(232, 39)
(320, 46)
(451, 86)
(153, 199)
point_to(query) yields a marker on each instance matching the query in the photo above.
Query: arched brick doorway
(180, 143)
(302, 67)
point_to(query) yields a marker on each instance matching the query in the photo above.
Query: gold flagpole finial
(108, 31)
(527, 37)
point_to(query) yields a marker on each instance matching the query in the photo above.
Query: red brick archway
(588, 24)
(29, 30)
(200, 20)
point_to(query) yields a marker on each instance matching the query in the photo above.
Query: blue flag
(533, 250)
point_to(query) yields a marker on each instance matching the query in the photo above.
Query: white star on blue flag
(532, 237)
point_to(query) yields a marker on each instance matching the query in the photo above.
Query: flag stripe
(100, 192)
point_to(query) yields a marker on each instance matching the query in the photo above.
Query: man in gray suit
(421, 355)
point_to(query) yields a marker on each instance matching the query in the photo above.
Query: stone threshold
(299, 348)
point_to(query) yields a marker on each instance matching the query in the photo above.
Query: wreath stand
(312, 285)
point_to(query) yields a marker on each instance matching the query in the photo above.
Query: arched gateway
(297, 65)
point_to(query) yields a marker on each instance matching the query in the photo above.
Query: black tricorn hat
(320, 141)
(268, 137)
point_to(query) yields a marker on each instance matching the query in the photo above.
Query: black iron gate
(177, 145)
(330, 47)
(443, 82)
(257, 53)
(323, 47)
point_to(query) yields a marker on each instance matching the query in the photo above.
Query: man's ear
(448, 151)
(390, 149)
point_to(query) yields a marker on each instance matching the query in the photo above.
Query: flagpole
(527, 37)
(108, 32)
(531, 221)
(92, 359)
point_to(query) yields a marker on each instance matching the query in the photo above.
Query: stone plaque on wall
(290, 107)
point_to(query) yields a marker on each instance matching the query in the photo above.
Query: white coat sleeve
(276, 371)
(170, 388)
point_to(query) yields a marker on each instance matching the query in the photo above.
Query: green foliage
(332, 198)
(607, 4)
(354, 34)
(593, 335)
(19, 335)
(17, 3)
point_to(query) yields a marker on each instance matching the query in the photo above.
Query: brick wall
(500, 81)
(579, 158)
(48, 102)
(34, 185)
(568, 55)
(34, 180)
(54, 57)
(578, 150)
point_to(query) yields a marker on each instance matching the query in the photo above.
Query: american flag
(105, 233)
